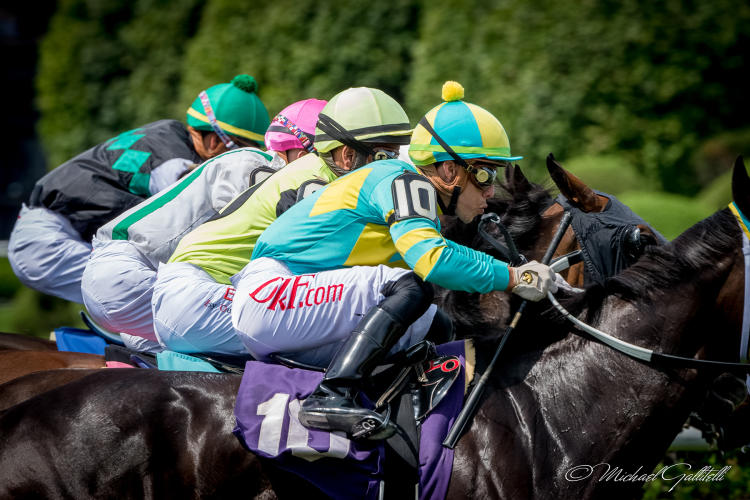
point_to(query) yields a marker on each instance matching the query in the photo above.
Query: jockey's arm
(408, 204)
(444, 262)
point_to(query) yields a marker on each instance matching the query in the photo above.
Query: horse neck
(578, 402)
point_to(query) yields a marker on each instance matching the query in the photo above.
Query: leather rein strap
(651, 356)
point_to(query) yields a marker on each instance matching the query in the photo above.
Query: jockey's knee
(407, 298)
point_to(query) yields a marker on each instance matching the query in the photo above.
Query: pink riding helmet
(294, 127)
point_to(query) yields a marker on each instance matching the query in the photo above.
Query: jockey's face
(473, 201)
(348, 158)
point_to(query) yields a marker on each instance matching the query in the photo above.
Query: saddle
(417, 391)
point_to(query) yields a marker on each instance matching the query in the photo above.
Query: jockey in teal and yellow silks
(343, 276)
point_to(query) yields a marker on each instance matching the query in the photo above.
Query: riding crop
(473, 399)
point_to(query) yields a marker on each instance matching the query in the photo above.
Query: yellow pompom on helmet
(468, 131)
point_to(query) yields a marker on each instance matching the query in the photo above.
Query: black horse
(562, 410)
(546, 410)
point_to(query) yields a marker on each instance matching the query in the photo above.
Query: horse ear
(573, 188)
(741, 186)
(518, 180)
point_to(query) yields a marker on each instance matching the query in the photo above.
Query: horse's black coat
(556, 401)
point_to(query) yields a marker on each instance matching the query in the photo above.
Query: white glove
(532, 281)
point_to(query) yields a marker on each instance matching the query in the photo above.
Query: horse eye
(633, 242)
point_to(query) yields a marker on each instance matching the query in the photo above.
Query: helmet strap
(451, 208)
(442, 143)
(339, 133)
(287, 126)
(212, 121)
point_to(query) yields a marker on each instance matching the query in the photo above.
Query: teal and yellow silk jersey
(383, 213)
(223, 245)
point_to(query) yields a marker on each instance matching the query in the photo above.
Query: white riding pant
(192, 312)
(48, 254)
(117, 285)
(306, 317)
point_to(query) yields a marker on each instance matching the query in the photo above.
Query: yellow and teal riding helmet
(361, 115)
(469, 130)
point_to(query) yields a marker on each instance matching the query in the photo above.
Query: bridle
(508, 252)
(671, 360)
(631, 350)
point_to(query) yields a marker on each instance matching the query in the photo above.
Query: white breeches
(306, 317)
(47, 254)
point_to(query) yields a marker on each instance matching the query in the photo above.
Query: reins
(560, 264)
(472, 401)
(508, 252)
(642, 353)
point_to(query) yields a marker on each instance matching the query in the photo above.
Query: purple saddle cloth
(267, 406)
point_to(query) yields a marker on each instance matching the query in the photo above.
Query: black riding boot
(332, 406)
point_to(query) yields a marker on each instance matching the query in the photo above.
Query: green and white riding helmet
(231, 109)
(360, 116)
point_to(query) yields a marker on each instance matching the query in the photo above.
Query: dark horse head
(610, 235)
(565, 415)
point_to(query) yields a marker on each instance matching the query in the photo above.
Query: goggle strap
(212, 121)
(442, 143)
(293, 129)
(339, 133)
(451, 209)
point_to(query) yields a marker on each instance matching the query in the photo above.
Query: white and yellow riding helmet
(361, 115)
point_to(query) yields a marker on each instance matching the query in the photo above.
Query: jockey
(345, 274)
(192, 296)
(118, 280)
(50, 243)
(292, 132)
(119, 277)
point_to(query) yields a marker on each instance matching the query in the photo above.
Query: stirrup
(369, 428)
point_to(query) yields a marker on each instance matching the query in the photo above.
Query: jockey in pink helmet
(292, 131)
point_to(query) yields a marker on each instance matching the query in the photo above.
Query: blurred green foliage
(648, 82)
(107, 66)
(609, 173)
(297, 50)
(735, 485)
(670, 214)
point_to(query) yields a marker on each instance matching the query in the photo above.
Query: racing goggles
(483, 176)
(383, 154)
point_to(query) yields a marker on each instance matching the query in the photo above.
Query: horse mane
(520, 211)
